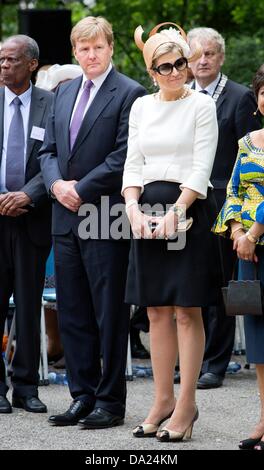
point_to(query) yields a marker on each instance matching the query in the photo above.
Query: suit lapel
(68, 100)
(100, 102)
(37, 109)
(221, 99)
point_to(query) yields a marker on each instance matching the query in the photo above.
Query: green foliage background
(239, 21)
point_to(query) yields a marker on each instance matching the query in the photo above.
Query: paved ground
(226, 415)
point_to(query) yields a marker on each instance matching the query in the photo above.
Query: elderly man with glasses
(236, 116)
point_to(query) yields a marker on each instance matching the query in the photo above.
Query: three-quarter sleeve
(260, 213)
(132, 175)
(204, 148)
(232, 207)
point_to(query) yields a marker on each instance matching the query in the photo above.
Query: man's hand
(13, 203)
(66, 194)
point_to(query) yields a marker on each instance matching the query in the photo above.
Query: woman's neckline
(156, 97)
(252, 145)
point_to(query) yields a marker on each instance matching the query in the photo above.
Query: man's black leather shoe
(177, 377)
(210, 380)
(99, 419)
(78, 409)
(137, 348)
(32, 404)
(139, 351)
(5, 406)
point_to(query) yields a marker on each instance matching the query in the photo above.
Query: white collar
(211, 87)
(98, 81)
(24, 97)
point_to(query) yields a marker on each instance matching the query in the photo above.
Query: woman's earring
(255, 112)
(155, 83)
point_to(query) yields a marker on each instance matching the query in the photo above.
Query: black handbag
(243, 297)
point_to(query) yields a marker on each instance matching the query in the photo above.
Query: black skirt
(159, 274)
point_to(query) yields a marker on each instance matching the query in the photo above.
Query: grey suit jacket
(37, 220)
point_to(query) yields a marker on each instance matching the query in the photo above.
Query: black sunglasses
(167, 68)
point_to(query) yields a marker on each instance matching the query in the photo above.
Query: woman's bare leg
(163, 349)
(191, 343)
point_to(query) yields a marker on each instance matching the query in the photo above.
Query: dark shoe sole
(150, 434)
(98, 426)
(22, 407)
(208, 386)
(6, 411)
(62, 424)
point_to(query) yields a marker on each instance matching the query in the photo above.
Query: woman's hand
(167, 225)
(245, 249)
(236, 236)
(140, 223)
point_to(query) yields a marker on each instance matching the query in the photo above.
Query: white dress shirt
(211, 87)
(97, 83)
(8, 114)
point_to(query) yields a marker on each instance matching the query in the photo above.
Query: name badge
(37, 133)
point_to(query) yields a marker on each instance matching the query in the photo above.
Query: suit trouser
(90, 282)
(22, 273)
(219, 328)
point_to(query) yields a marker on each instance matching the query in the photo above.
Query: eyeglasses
(10, 60)
(167, 68)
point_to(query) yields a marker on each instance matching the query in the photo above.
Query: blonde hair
(165, 49)
(91, 27)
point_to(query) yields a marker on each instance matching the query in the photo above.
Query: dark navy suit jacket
(98, 155)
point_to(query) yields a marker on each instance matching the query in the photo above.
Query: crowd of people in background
(186, 164)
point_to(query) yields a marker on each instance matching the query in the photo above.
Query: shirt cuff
(51, 190)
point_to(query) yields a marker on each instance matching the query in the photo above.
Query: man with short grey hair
(235, 105)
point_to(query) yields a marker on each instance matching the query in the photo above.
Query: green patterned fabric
(245, 191)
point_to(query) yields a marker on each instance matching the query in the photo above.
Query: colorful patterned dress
(245, 191)
(245, 203)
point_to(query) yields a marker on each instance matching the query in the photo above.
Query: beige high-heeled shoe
(148, 429)
(166, 435)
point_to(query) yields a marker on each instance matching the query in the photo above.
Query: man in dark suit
(82, 161)
(236, 116)
(25, 214)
